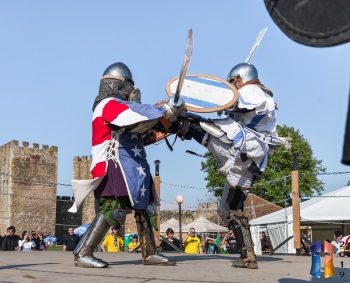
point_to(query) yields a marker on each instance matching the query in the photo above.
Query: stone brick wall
(28, 192)
(5, 185)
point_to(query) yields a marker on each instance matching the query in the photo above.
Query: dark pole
(157, 162)
(180, 226)
(157, 186)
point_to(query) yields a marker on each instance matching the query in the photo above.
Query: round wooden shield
(204, 93)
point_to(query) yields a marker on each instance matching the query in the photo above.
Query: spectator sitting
(230, 243)
(71, 240)
(41, 243)
(113, 242)
(211, 247)
(264, 243)
(306, 240)
(10, 241)
(338, 243)
(192, 243)
(134, 243)
(35, 239)
(27, 242)
(170, 237)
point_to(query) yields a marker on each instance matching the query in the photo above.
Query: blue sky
(52, 55)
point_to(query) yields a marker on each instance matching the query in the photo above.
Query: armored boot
(241, 229)
(147, 241)
(83, 253)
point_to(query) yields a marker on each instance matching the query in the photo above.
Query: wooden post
(296, 204)
(157, 185)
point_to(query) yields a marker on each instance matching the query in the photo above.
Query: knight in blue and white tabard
(241, 143)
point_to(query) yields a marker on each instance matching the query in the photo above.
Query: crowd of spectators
(29, 240)
(195, 243)
(192, 243)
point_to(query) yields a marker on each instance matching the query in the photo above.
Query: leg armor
(232, 199)
(147, 241)
(224, 208)
(201, 128)
(83, 253)
(241, 229)
(235, 199)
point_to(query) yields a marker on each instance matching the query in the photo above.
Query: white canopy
(171, 223)
(203, 225)
(279, 224)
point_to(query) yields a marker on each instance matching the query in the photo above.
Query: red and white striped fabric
(119, 113)
(116, 112)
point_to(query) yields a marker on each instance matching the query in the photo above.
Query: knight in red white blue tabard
(121, 178)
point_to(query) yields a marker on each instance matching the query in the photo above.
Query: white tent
(203, 225)
(279, 224)
(171, 223)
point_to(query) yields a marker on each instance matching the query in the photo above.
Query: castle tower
(28, 178)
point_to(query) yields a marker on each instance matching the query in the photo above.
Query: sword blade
(259, 38)
(186, 63)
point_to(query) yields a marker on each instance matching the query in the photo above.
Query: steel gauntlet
(172, 110)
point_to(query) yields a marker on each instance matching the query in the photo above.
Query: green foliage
(279, 167)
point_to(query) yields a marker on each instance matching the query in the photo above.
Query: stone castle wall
(28, 178)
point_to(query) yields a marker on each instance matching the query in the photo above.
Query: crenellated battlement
(24, 162)
(82, 158)
(25, 144)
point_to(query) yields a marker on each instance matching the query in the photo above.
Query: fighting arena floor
(55, 266)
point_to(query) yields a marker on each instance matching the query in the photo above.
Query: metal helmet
(117, 82)
(246, 72)
(118, 69)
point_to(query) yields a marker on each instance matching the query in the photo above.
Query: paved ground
(127, 268)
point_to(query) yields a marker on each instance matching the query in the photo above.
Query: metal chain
(176, 185)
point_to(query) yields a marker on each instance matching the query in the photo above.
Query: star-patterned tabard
(128, 148)
(132, 158)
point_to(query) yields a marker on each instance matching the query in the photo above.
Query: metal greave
(241, 229)
(146, 234)
(93, 236)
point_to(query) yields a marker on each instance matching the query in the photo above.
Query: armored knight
(241, 143)
(121, 179)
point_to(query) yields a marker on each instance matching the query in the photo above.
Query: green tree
(275, 184)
